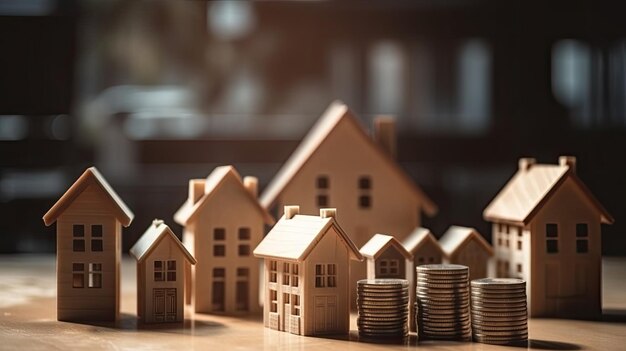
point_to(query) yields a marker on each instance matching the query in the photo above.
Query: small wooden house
(161, 260)
(89, 218)
(223, 221)
(386, 258)
(307, 274)
(547, 231)
(463, 245)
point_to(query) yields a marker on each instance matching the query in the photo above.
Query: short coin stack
(499, 314)
(443, 302)
(383, 308)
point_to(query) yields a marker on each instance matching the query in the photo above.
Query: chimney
(196, 189)
(252, 185)
(525, 163)
(291, 211)
(328, 213)
(157, 222)
(385, 133)
(569, 161)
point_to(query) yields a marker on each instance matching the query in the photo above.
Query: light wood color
(386, 258)
(28, 322)
(161, 261)
(466, 246)
(339, 165)
(307, 274)
(223, 222)
(547, 231)
(89, 219)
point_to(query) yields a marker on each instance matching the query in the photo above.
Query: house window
(219, 272)
(500, 227)
(582, 238)
(499, 240)
(95, 275)
(552, 238)
(78, 275)
(431, 260)
(388, 267)
(295, 305)
(320, 275)
(171, 271)
(273, 271)
(507, 228)
(519, 232)
(159, 271)
(519, 268)
(507, 242)
(243, 272)
(273, 301)
(322, 184)
(286, 273)
(219, 234)
(420, 260)
(519, 245)
(78, 233)
(507, 267)
(96, 237)
(365, 196)
(294, 275)
(322, 200)
(244, 233)
(164, 271)
(332, 275)
(244, 250)
(219, 250)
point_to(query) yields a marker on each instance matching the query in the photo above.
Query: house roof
(90, 176)
(456, 237)
(213, 183)
(529, 189)
(379, 244)
(153, 235)
(335, 113)
(418, 238)
(295, 238)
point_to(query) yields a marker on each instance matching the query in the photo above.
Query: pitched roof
(90, 176)
(335, 113)
(212, 184)
(529, 189)
(379, 243)
(148, 241)
(456, 237)
(418, 238)
(295, 238)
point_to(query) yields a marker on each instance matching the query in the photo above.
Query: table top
(28, 321)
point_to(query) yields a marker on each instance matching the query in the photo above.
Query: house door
(242, 296)
(164, 304)
(218, 298)
(286, 315)
(325, 314)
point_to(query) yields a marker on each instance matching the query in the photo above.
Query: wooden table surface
(28, 322)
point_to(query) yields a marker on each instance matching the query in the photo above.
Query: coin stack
(499, 314)
(443, 302)
(383, 308)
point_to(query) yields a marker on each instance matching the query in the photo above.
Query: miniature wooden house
(386, 258)
(463, 245)
(161, 260)
(89, 218)
(339, 165)
(547, 230)
(223, 221)
(307, 274)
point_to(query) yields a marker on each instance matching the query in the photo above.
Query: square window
(519, 268)
(219, 234)
(78, 267)
(582, 230)
(219, 272)
(219, 250)
(499, 241)
(322, 200)
(322, 182)
(365, 201)
(79, 245)
(552, 230)
(243, 272)
(244, 250)
(552, 246)
(95, 267)
(582, 246)
(78, 280)
(331, 269)
(171, 265)
(78, 230)
(158, 265)
(365, 183)
(96, 245)
(519, 231)
(519, 244)
(171, 276)
(244, 233)
(319, 282)
(95, 280)
(96, 231)
(158, 276)
(319, 269)
(294, 268)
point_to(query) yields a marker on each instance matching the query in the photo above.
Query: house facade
(466, 246)
(223, 222)
(547, 231)
(89, 218)
(386, 258)
(161, 261)
(306, 260)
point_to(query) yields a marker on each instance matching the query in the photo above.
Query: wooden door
(164, 304)
(219, 296)
(325, 314)
(286, 315)
(242, 295)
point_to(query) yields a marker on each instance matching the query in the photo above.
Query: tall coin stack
(383, 308)
(443, 302)
(499, 314)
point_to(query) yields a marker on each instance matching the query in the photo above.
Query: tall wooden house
(89, 218)
(386, 258)
(161, 261)
(307, 274)
(466, 246)
(547, 230)
(223, 221)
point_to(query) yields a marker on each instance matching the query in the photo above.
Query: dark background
(156, 92)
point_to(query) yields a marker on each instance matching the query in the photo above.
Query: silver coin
(479, 323)
(504, 334)
(500, 341)
(368, 330)
(498, 282)
(441, 268)
(439, 278)
(479, 308)
(499, 295)
(383, 282)
(499, 321)
(453, 301)
(489, 328)
(498, 305)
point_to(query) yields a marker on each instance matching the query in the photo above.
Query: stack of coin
(383, 308)
(499, 314)
(443, 302)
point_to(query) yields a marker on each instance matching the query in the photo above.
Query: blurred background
(157, 92)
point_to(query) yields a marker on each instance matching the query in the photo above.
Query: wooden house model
(89, 218)
(386, 258)
(307, 274)
(547, 230)
(339, 165)
(466, 246)
(161, 260)
(223, 222)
